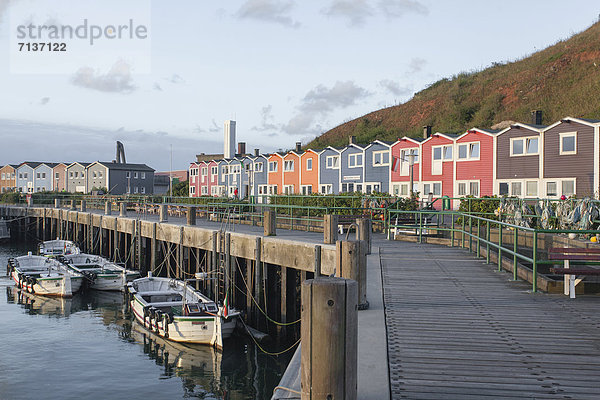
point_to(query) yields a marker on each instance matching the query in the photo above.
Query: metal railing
(467, 230)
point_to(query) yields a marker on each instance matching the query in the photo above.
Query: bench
(570, 274)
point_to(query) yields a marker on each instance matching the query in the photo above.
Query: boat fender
(166, 324)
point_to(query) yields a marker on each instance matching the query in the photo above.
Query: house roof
(535, 128)
(125, 166)
(31, 164)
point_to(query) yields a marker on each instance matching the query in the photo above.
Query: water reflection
(238, 372)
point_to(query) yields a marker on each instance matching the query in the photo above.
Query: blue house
(329, 171)
(24, 176)
(260, 176)
(352, 168)
(42, 179)
(377, 167)
(223, 177)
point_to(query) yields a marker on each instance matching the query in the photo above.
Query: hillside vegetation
(561, 80)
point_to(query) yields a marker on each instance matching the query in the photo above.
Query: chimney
(351, 139)
(426, 131)
(298, 147)
(256, 152)
(241, 148)
(536, 117)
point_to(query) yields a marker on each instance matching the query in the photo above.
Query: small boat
(4, 231)
(101, 273)
(58, 247)
(174, 310)
(44, 276)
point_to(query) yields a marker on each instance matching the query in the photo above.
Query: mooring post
(191, 215)
(180, 269)
(330, 228)
(270, 223)
(214, 265)
(329, 334)
(107, 208)
(197, 257)
(73, 207)
(351, 263)
(82, 205)
(257, 280)
(138, 240)
(123, 209)
(317, 261)
(115, 239)
(364, 232)
(283, 301)
(153, 249)
(163, 215)
(100, 237)
(228, 268)
(91, 232)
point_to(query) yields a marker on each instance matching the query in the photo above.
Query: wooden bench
(570, 274)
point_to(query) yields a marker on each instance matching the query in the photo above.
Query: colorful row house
(522, 160)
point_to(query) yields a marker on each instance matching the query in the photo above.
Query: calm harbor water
(89, 347)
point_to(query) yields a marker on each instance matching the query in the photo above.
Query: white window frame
(469, 145)
(204, 171)
(334, 164)
(258, 167)
(537, 188)
(381, 154)
(273, 165)
(563, 135)
(288, 189)
(204, 190)
(352, 160)
(468, 191)
(309, 164)
(306, 190)
(432, 183)
(443, 150)
(135, 175)
(143, 175)
(326, 188)
(525, 140)
(288, 165)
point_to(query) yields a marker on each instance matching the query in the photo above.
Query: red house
(194, 179)
(402, 151)
(437, 167)
(475, 160)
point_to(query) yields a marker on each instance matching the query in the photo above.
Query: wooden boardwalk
(457, 329)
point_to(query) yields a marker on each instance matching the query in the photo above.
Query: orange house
(309, 172)
(275, 173)
(7, 178)
(291, 173)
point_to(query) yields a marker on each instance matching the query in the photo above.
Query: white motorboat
(58, 247)
(174, 310)
(102, 274)
(4, 231)
(44, 276)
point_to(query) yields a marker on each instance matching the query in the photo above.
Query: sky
(286, 70)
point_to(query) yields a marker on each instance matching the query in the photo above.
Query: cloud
(213, 128)
(157, 87)
(3, 7)
(117, 80)
(398, 8)
(416, 65)
(319, 102)
(357, 12)
(272, 11)
(93, 144)
(44, 101)
(176, 79)
(266, 120)
(394, 87)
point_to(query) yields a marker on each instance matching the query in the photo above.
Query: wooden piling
(191, 216)
(107, 208)
(229, 276)
(153, 264)
(351, 263)
(270, 223)
(123, 209)
(82, 206)
(163, 215)
(330, 228)
(329, 356)
(317, 261)
(257, 279)
(215, 266)
(364, 231)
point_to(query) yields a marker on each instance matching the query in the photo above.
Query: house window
(568, 143)
(468, 188)
(568, 188)
(474, 189)
(76, 174)
(204, 171)
(214, 170)
(307, 190)
(381, 158)
(551, 188)
(447, 153)
(57, 175)
(515, 188)
(288, 165)
(433, 188)
(71, 174)
(3, 176)
(143, 175)
(94, 174)
(258, 167)
(100, 174)
(333, 161)
(531, 188)
(272, 166)
(468, 151)
(135, 175)
(524, 146)
(355, 160)
(462, 187)
(38, 175)
(437, 153)
(503, 189)
(288, 189)
(192, 190)
(204, 190)
(309, 164)
(327, 189)
(127, 174)
(248, 167)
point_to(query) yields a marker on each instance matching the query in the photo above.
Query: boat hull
(50, 286)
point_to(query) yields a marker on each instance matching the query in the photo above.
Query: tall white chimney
(229, 150)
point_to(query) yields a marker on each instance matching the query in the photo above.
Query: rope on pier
(255, 302)
(278, 353)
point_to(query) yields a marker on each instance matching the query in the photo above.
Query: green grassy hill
(561, 80)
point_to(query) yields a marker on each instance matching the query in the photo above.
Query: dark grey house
(120, 178)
